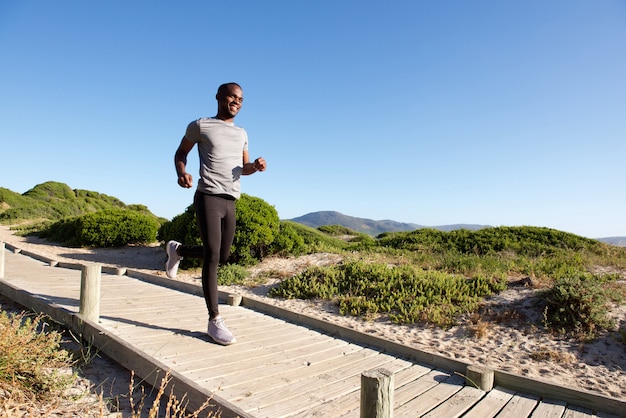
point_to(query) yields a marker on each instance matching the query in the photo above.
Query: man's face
(229, 101)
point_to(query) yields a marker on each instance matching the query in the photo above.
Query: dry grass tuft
(174, 408)
(551, 355)
(478, 328)
(37, 378)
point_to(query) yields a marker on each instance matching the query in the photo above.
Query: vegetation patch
(31, 361)
(77, 217)
(406, 293)
(37, 378)
(52, 201)
(432, 276)
(578, 305)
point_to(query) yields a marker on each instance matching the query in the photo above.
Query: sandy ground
(513, 343)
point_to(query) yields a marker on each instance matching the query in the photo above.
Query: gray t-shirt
(220, 147)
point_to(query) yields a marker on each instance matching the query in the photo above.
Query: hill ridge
(370, 226)
(377, 227)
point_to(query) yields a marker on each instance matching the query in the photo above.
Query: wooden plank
(519, 406)
(346, 384)
(570, 395)
(549, 408)
(234, 354)
(408, 392)
(295, 382)
(431, 398)
(121, 326)
(457, 404)
(299, 378)
(491, 404)
(391, 347)
(350, 402)
(578, 412)
(410, 374)
(243, 345)
(258, 365)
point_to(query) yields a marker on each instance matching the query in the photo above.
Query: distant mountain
(618, 241)
(369, 226)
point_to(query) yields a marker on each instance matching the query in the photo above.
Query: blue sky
(430, 112)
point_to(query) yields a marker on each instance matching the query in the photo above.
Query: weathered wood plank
(347, 384)
(406, 393)
(432, 397)
(410, 374)
(298, 378)
(254, 367)
(549, 408)
(350, 402)
(545, 389)
(457, 404)
(491, 404)
(578, 412)
(519, 406)
(185, 358)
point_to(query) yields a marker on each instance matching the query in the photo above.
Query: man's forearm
(248, 168)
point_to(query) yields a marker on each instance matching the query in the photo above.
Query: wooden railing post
(481, 377)
(377, 394)
(234, 299)
(1, 260)
(90, 292)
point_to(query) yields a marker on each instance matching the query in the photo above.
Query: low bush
(230, 274)
(337, 230)
(30, 360)
(116, 227)
(259, 233)
(288, 241)
(106, 228)
(257, 227)
(406, 293)
(577, 305)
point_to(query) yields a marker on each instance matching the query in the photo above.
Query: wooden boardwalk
(282, 365)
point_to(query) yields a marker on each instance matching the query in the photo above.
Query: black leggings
(216, 222)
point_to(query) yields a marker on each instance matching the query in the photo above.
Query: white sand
(513, 345)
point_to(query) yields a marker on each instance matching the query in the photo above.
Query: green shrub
(578, 305)
(106, 228)
(181, 228)
(524, 241)
(336, 230)
(288, 241)
(53, 201)
(407, 293)
(184, 229)
(230, 274)
(257, 228)
(64, 231)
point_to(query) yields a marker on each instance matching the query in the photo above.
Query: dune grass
(37, 377)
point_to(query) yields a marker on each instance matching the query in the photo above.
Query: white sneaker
(220, 334)
(173, 259)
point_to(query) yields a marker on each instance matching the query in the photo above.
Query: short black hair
(223, 87)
